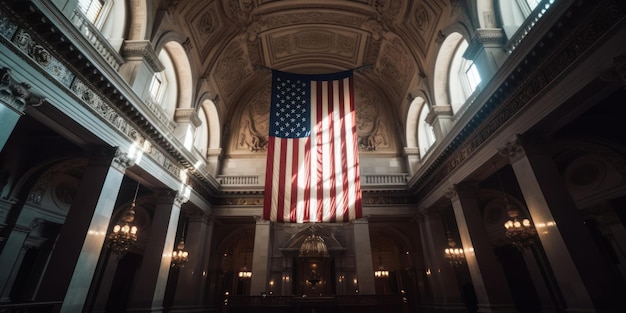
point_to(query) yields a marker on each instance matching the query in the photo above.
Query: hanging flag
(312, 172)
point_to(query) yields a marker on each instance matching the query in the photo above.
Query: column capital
(16, 94)
(513, 150)
(451, 193)
(187, 115)
(122, 161)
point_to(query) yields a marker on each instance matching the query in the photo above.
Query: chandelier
(454, 256)
(243, 271)
(180, 256)
(124, 233)
(381, 272)
(313, 246)
(521, 232)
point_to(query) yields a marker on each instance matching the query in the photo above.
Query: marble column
(151, 280)
(191, 278)
(106, 280)
(140, 64)
(488, 277)
(442, 278)
(363, 257)
(260, 259)
(75, 256)
(575, 259)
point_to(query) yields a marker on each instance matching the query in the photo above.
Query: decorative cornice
(484, 37)
(187, 115)
(141, 50)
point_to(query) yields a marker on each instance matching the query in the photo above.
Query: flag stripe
(312, 166)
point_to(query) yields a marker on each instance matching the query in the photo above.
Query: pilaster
(575, 259)
(75, 256)
(487, 274)
(149, 290)
(363, 251)
(260, 265)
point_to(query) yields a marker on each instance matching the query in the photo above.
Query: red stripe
(331, 158)
(269, 168)
(344, 153)
(280, 206)
(320, 154)
(307, 174)
(355, 147)
(294, 181)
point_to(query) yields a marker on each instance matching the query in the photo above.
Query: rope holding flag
(312, 172)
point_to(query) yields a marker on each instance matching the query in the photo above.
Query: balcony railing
(530, 22)
(370, 180)
(95, 38)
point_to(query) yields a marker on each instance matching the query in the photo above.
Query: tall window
(157, 87)
(91, 9)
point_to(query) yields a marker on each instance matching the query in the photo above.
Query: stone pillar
(192, 277)
(413, 159)
(260, 259)
(440, 118)
(14, 97)
(213, 157)
(363, 257)
(486, 49)
(581, 273)
(141, 62)
(186, 123)
(151, 280)
(442, 278)
(488, 278)
(75, 256)
(106, 280)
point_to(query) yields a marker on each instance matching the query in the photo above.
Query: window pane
(91, 8)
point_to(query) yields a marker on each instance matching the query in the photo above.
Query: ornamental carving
(255, 123)
(232, 68)
(395, 66)
(370, 121)
(15, 94)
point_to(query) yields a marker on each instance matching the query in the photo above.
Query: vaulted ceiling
(232, 43)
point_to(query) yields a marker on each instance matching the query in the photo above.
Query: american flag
(312, 172)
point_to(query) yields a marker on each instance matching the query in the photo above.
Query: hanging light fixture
(455, 256)
(521, 232)
(313, 246)
(243, 271)
(381, 272)
(124, 233)
(180, 256)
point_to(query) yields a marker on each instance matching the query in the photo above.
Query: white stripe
(301, 183)
(313, 159)
(326, 153)
(288, 165)
(275, 179)
(350, 157)
(338, 155)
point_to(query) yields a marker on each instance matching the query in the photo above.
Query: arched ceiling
(233, 42)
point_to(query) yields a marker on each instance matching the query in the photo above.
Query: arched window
(463, 77)
(425, 134)
(201, 138)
